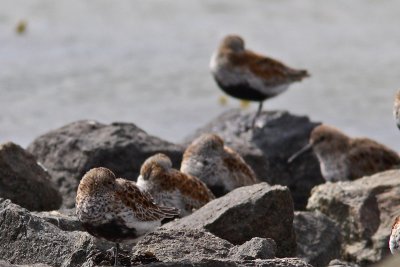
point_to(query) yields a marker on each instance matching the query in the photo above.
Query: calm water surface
(147, 62)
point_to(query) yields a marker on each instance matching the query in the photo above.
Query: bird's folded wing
(141, 203)
(370, 157)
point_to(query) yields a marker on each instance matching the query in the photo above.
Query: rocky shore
(291, 219)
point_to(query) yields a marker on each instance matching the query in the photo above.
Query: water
(147, 62)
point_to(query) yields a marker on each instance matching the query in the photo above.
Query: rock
(339, 263)
(287, 262)
(28, 239)
(256, 248)
(318, 238)
(69, 152)
(365, 210)
(106, 258)
(258, 210)
(266, 149)
(392, 261)
(187, 244)
(25, 182)
(7, 264)
(64, 219)
(195, 247)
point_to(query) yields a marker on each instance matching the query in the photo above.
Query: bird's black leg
(116, 254)
(260, 105)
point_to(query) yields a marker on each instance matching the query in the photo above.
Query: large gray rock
(64, 219)
(258, 210)
(278, 136)
(365, 210)
(286, 262)
(7, 264)
(28, 239)
(186, 244)
(69, 152)
(391, 261)
(340, 263)
(318, 238)
(25, 182)
(256, 248)
(195, 247)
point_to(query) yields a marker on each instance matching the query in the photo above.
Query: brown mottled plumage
(220, 167)
(115, 209)
(343, 158)
(170, 187)
(246, 75)
(394, 241)
(396, 109)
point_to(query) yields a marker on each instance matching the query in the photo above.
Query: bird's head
(207, 145)
(97, 180)
(155, 165)
(233, 42)
(323, 139)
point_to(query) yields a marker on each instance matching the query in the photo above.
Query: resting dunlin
(394, 241)
(396, 109)
(172, 188)
(221, 168)
(115, 209)
(246, 75)
(343, 158)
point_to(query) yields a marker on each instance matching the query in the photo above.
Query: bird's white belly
(234, 76)
(334, 168)
(394, 242)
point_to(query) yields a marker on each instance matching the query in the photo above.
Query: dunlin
(172, 188)
(220, 167)
(396, 109)
(394, 241)
(343, 158)
(115, 209)
(246, 75)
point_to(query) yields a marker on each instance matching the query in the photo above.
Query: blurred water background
(147, 62)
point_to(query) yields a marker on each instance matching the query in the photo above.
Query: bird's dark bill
(299, 153)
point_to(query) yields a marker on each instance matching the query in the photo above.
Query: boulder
(256, 248)
(186, 244)
(7, 264)
(287, 262)
(24, 181)
(339, 263)
(277, 136)
(318, 238)
(70, 151)
(258, 210)
(65, 219)
(365, 210)
(391, 261)
(196, 247)
(28, 239)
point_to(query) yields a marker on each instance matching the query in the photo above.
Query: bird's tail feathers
(170, 212)
(299, 75)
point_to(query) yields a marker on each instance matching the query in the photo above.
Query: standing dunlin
(343, 158)
(396, 109)
(115, 209)
(246, 75)
(221, 168)
(172, 188)
(394, 241)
